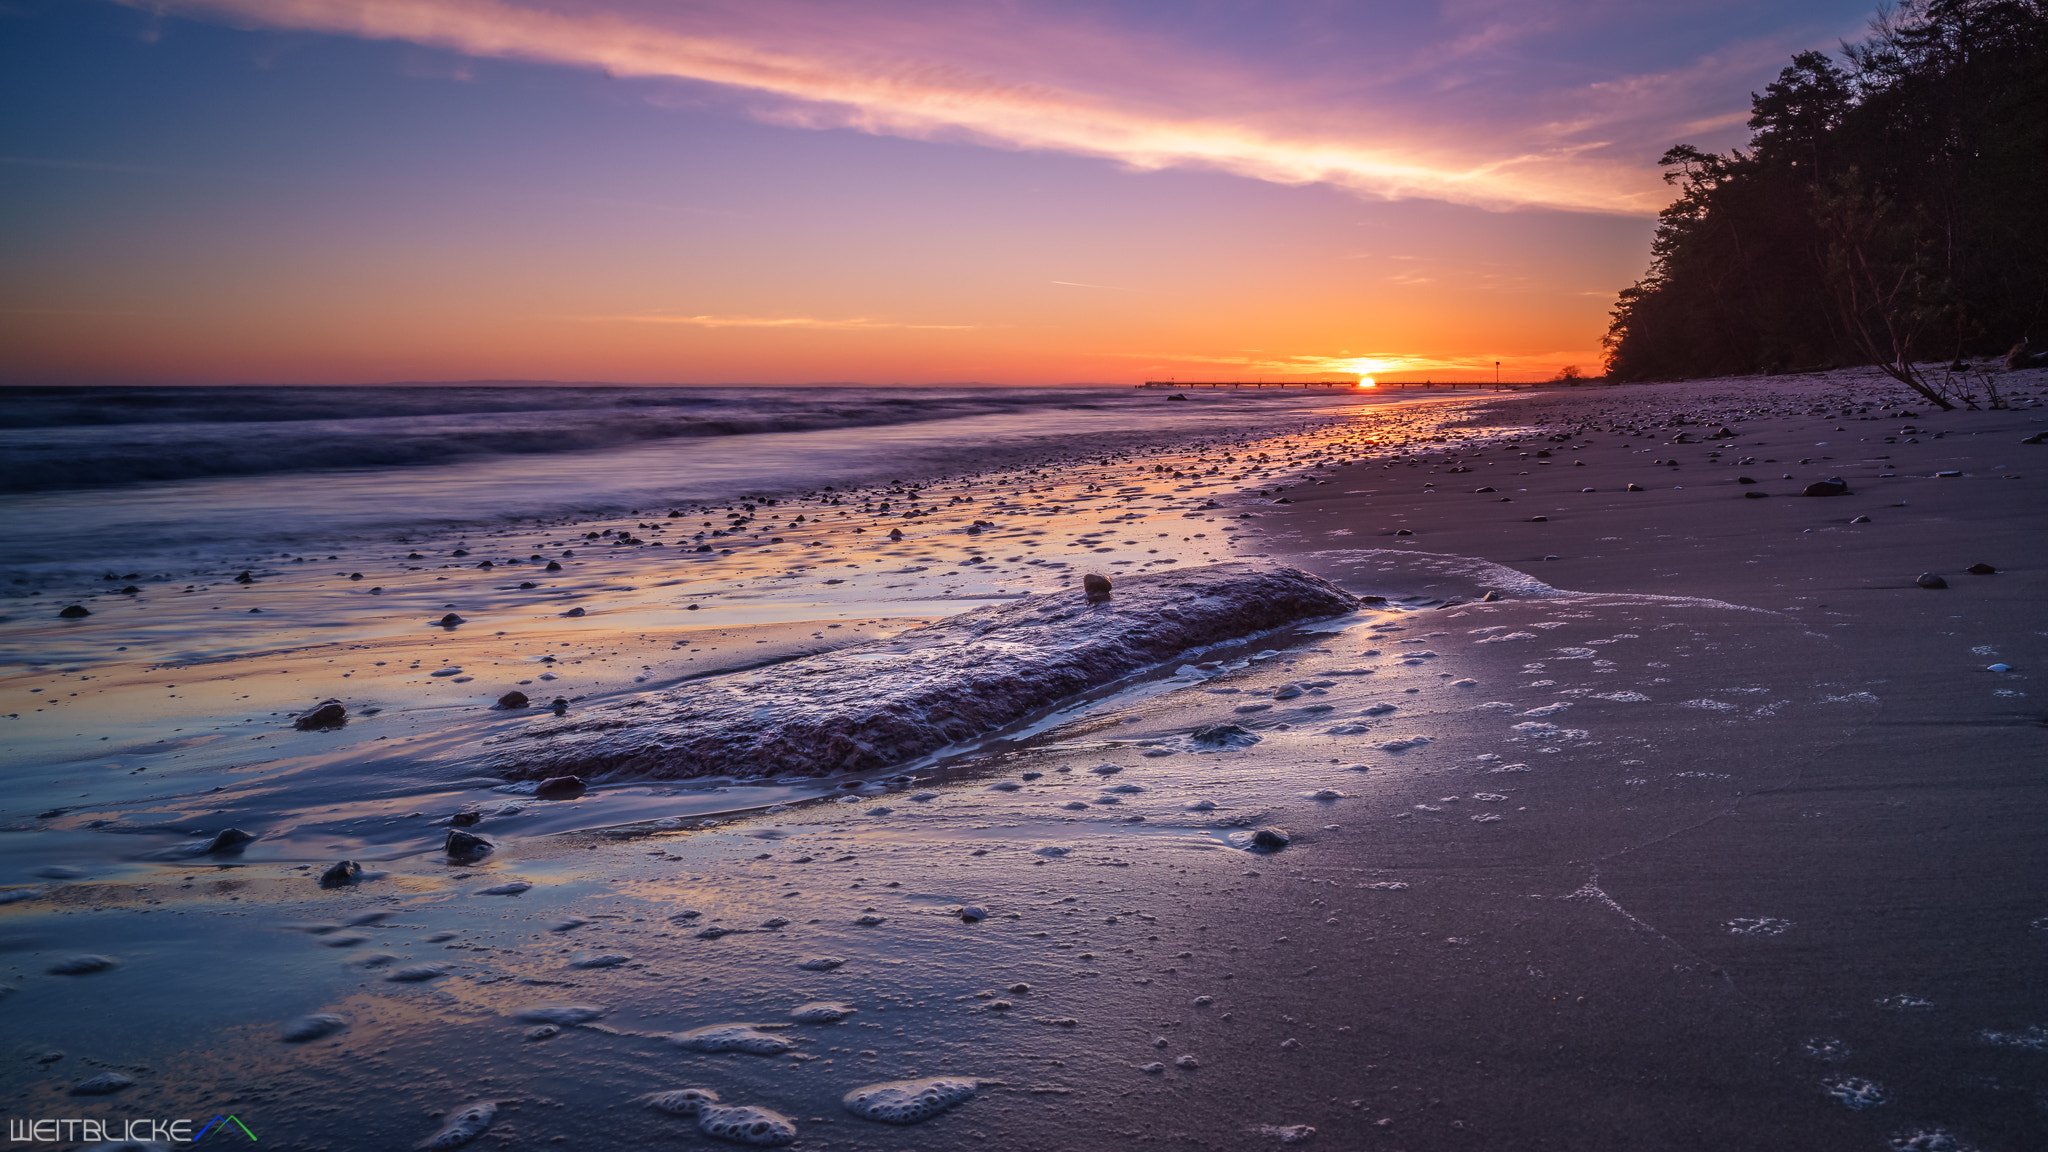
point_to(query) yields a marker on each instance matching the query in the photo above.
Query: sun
(1366, 382)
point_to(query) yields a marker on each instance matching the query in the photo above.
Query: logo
(76, 1128)
(226, 1124)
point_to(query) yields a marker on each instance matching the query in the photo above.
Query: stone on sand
(321, 717)
(341, 874)
(1930, 580)
(513, 699)
(466, 845)
(1095, 585)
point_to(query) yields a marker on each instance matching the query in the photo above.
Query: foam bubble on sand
(1827, 1048)
(1622, 697)
(16, 895)
(1904, 1003)
(746, 1124)
(563, 1014)
(2033, 1038)
(508, 888)
(1707, 705)
(1403, 744)
(1757, 926)
(104, 1084)
(907, 1101)
(313, 1027)
(1286, 1133)
(1507, 637)
(820, 963)
(821, 1012)
(1548, 709)
(1851, 698)
(462, 1127)
(1930, 1140)
(681, 1101)
(1855, 1091)
(893, 699)
(748, 1038)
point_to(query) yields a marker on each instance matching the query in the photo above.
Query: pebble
(609, 960)
(1095, 585)
(973, 912)
(542, 1032)
(418, 973)
(1270, 839)
(313, 1027)
(74, 612)
(462, 1127)
(820, 963)
(746, 1038)
(446, 672)
(1998, 668)
(322, 717)
(907, 1101)
(821, 1012)
(226, 840)
(513, 699)
(1188, 1062)
(1981, 570)
(466, 845)
(559, 788)
(81, 965)
(341, 874)
(1930, 580)
(1106, 769)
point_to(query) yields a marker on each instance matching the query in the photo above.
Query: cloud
(857, 324)
(826, 74)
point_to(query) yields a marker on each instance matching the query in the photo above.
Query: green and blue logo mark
(225, 1124)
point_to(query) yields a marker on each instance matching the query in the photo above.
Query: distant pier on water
(1476, 385)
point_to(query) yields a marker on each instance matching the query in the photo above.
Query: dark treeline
(1891, 208)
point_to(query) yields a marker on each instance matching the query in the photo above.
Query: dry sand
(1719, 833)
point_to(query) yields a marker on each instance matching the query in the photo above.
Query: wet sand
(1700, 813)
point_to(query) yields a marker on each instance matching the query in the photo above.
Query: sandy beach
(1619, 809)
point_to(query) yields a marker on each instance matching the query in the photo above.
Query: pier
(1479, 385)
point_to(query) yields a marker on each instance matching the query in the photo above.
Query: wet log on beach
(888, 701)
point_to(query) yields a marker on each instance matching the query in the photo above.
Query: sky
(872, 191)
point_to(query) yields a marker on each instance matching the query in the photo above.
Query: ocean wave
(54, 439)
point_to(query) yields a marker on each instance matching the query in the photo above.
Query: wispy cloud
(1374, 152)
(856, 324)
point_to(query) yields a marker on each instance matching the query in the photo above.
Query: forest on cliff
(1891, 208)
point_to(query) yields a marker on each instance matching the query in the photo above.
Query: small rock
(226, 840)
(1859, 520)
(1998, 668)
(573, 612)
(542, 1032)
(1981, 570)
(81, 965)
(467, 845)
(513, 699)
(450, 620)
(1833, 486)
(74, 612)
(341, 874)
(508, 888)
(1635, 488)
(1270, 839)
(1930, 580)
(321, 717)
(464, 819)
(559, 788)
(1094, 585)
(973, 912)
(560, 707)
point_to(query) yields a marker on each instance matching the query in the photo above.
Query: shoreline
(1672, 863)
